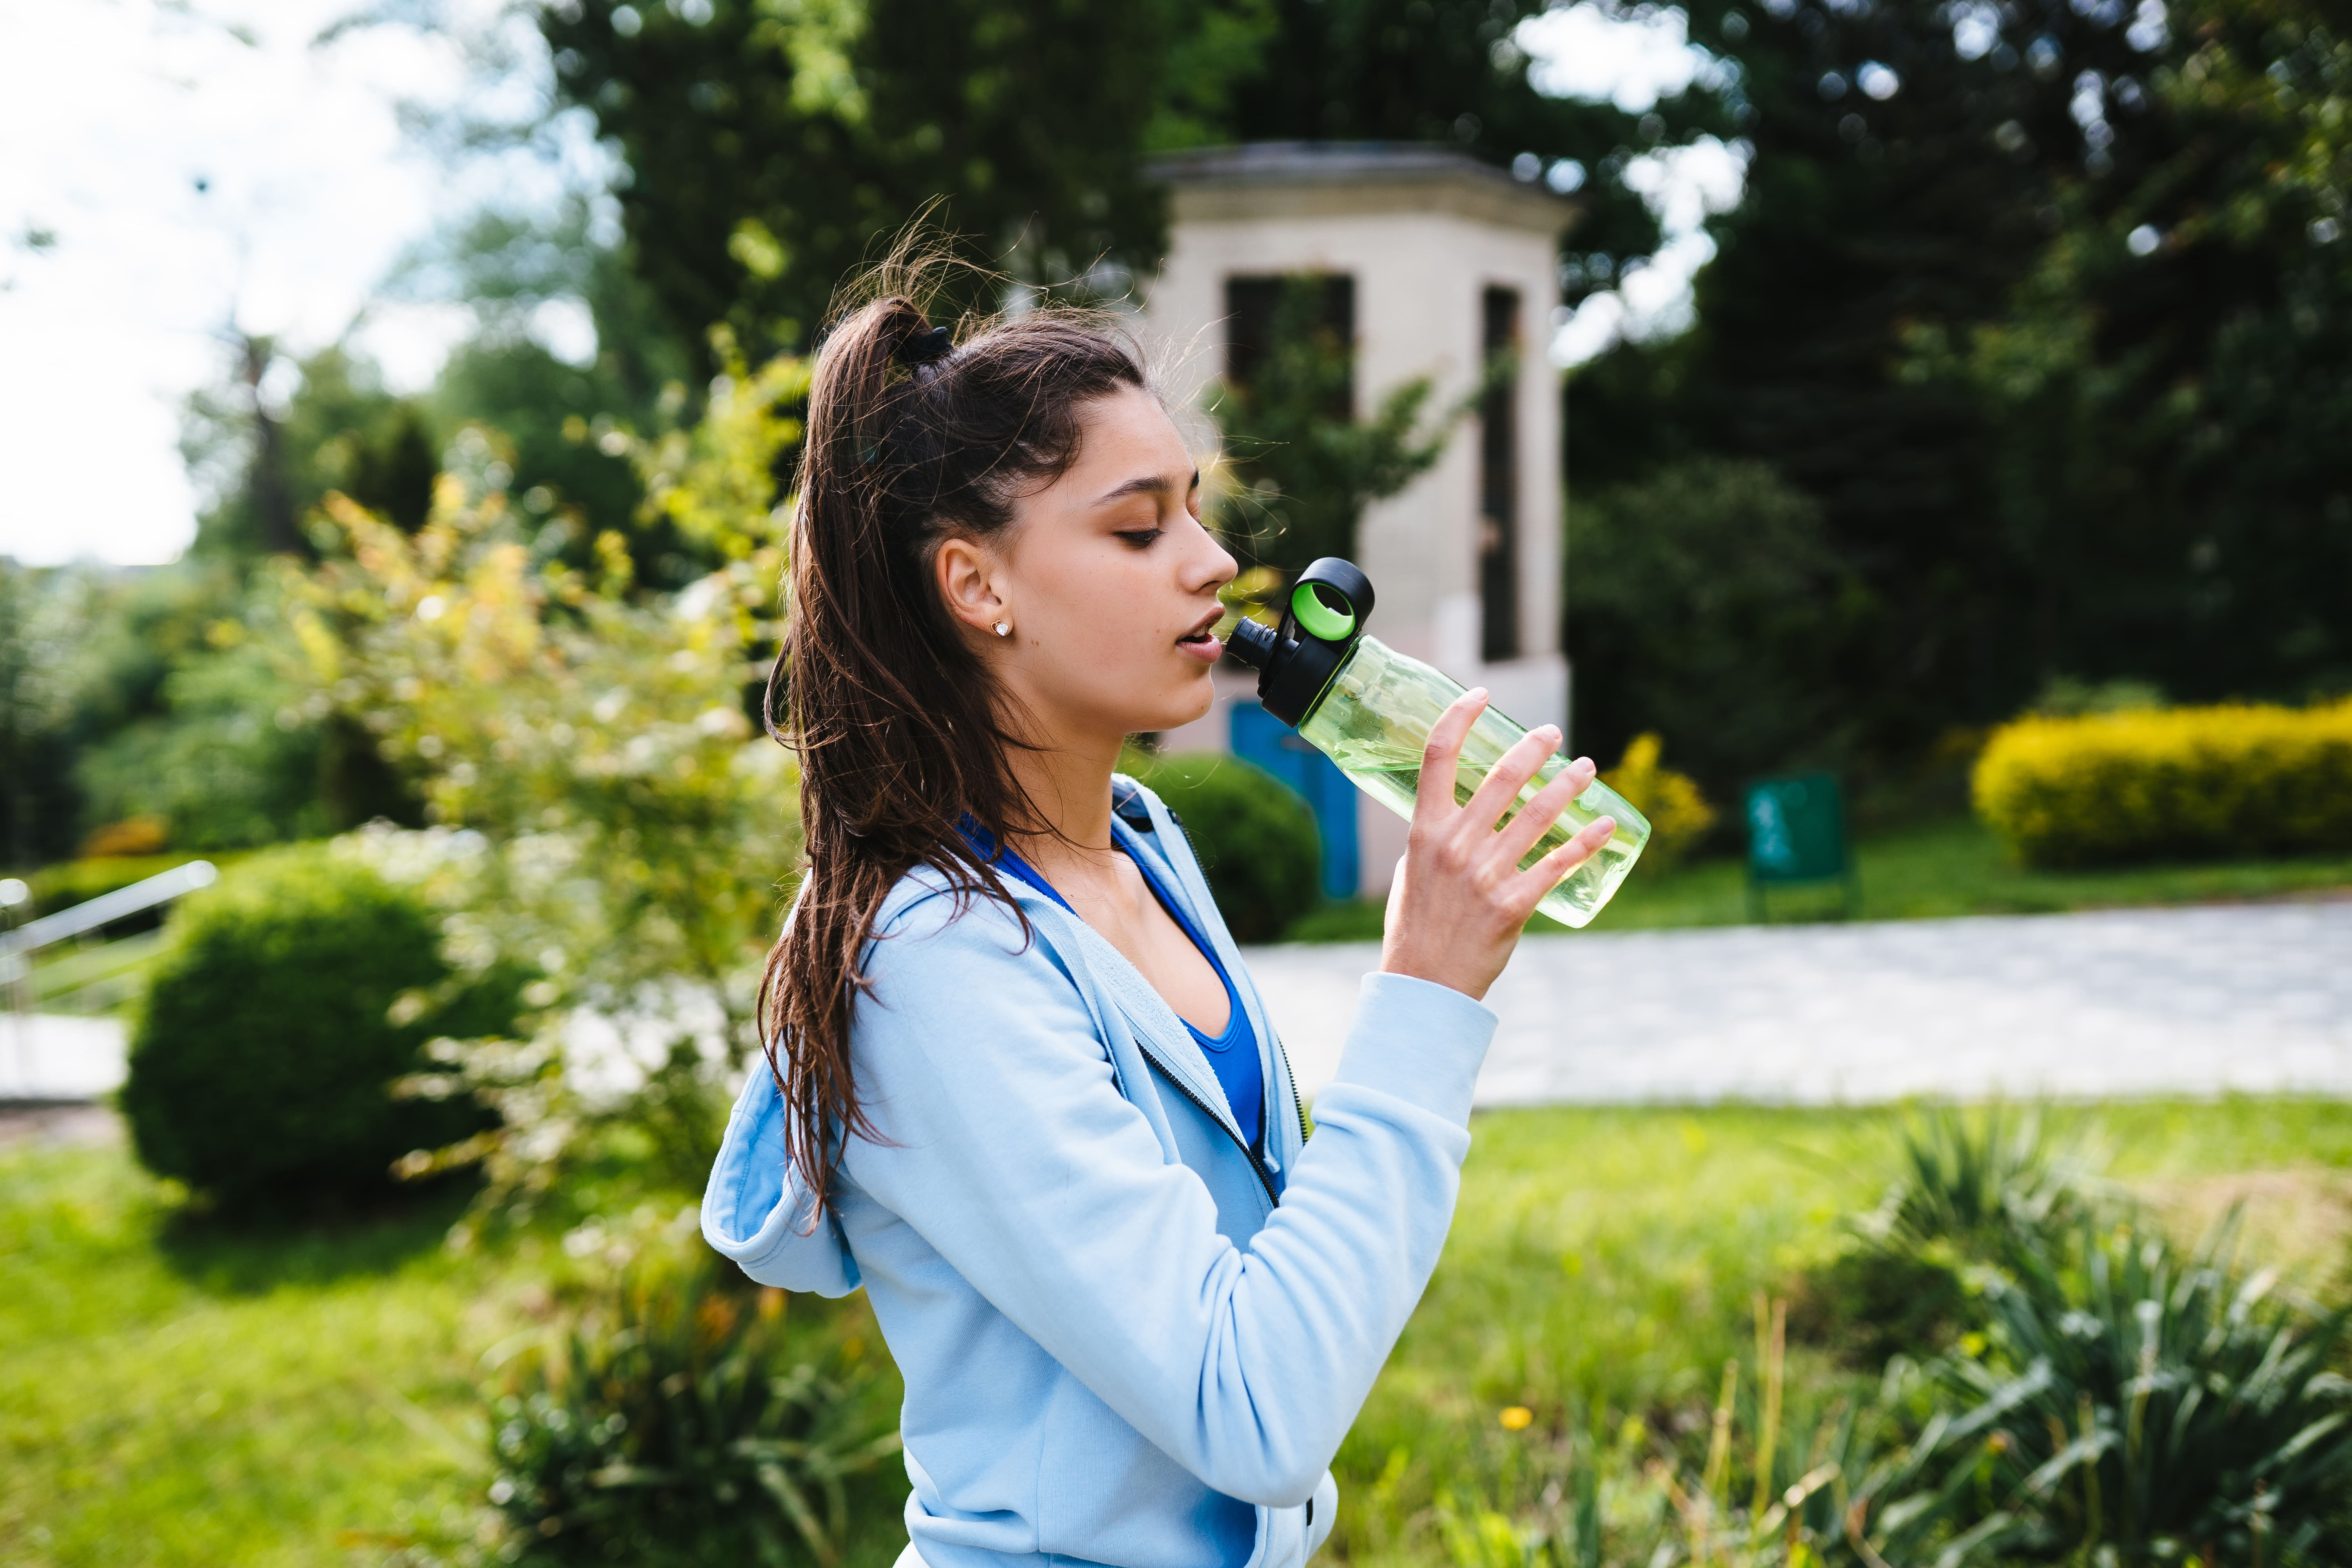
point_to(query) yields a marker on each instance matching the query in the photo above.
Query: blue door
(1261, 739)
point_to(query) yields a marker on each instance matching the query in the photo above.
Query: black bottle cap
(1295, 660)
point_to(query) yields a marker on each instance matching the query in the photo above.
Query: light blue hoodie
(1125, 1339)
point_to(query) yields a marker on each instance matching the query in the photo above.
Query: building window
(1498, 480)
(1253, 305)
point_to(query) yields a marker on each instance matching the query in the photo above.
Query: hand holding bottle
(1460, 899)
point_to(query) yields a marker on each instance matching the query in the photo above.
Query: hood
(759, 1211)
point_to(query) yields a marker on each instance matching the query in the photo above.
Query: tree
(1916, 168)
(269, 463)
(771, 148)
(42, 617)
(2167, 395)
(1305, 466)
(1708, 606)
(1450, 71)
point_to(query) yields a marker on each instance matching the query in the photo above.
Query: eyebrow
(1144, 485)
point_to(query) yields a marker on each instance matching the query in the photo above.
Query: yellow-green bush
(1679, 814)
(2170, 784)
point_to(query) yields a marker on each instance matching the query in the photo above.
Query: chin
(1176, 707)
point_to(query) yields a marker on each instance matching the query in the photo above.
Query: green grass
(1951, 867)
(174, 1395)
(1604, 1263)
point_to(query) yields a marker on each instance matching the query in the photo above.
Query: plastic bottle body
(1374, 720)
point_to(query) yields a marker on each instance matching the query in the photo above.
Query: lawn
(1950, 867)
(172, 1395)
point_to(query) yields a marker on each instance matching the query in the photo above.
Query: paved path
(2194, 1001)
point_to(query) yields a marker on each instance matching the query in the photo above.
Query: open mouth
(1204, 634)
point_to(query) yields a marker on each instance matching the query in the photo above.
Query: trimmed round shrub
(1256, 838)
(262, 1058)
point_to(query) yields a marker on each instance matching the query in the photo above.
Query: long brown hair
(912, 438)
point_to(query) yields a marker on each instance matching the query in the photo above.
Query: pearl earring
(1004, 629)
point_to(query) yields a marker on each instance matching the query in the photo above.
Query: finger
(1435, 793)
(1502, 785)
(1555, 868)
(1521, 833)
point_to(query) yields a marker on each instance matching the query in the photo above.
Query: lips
(1202, 632)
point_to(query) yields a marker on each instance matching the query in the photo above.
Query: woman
(1023, 1091)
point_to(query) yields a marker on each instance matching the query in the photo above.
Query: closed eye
(1142, 538)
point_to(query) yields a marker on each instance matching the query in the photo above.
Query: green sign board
(1796, 830)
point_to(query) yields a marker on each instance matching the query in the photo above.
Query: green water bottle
(1370, 708)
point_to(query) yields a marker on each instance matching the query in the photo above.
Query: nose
(1212, 566)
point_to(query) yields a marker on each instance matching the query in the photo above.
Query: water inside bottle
(1374, 722)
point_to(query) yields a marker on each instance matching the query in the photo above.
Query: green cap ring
(1318, 615)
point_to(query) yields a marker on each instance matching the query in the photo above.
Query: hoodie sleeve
(1006, 1144)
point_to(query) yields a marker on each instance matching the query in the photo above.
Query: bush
(261, 1057)
(1678, 812)
(2160, 1409)
(1977, 1194)
(670, 1424)
(1256, 839)
(234, 762)
(2172, 783)
(1706, 603)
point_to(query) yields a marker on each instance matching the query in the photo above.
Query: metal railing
(17, 946)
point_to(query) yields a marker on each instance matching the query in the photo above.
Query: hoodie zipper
(1264, 1176)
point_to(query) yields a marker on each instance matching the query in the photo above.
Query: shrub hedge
(261, 1058)
(2170, 784)
(1256, 838)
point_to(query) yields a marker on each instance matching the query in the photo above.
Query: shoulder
(927, 926)
(926, 903)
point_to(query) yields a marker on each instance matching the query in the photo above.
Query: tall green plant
(1989, 1184)
(2137, 1405)
(673, 1421)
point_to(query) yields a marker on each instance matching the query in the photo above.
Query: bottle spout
(1252, 642)
(1320, 623)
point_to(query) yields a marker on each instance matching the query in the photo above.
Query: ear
(966, 574)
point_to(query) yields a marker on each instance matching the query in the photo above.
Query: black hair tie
(922, 348)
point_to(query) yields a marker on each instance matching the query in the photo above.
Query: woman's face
(1108, 584)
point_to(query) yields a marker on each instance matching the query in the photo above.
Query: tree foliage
(1303, 466)
(608, 819)
(772, 148)
(2036, 451)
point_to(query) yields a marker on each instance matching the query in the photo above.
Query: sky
(170, 168)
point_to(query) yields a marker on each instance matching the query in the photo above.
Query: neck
(1069, 785)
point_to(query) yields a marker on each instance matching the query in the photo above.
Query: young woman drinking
(1023, 1091)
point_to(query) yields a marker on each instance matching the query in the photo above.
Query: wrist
(1402, 960)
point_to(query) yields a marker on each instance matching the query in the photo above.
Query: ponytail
(912, 439)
